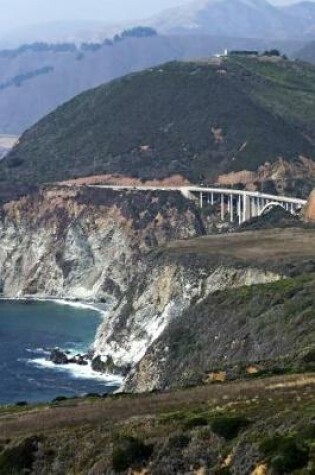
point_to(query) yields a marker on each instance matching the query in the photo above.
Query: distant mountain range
(240, 18)
(35, 79)
(285, 19)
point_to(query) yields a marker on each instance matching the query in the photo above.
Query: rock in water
(309, 211)
(58, 357)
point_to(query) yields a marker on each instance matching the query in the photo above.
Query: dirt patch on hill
(120, 180)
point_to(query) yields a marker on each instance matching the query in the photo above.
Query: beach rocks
(79, 359)
(108, 366)
(60, 357)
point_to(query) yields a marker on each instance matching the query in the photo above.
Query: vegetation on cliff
(267, 329)
(198, 119)
(253, 427)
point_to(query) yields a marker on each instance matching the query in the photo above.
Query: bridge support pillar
(253, 203)
(231, 208)
(246, 208)
(222, 207)
(239, 209)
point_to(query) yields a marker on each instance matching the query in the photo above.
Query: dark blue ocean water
(26, 330)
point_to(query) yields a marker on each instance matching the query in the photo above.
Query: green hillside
(197, 119)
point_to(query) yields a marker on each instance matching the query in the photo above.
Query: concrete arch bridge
(235, 205)
(243, 205)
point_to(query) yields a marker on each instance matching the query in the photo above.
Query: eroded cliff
(86, 243)
(169, 312)
(161, 294)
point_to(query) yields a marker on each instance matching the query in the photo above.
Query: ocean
(27, 332)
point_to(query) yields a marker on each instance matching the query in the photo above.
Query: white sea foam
(38, 351)
(77, 371)
(74, 370)
(73, 303)
(58, 301)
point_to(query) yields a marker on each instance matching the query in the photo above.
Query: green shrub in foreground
(285, 453)
(20, 457)
(228, 427)
(128, 451)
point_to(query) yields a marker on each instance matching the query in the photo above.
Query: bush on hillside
(229, 427)
(285, 453)
(128, 451)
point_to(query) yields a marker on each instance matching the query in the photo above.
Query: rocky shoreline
(62, 357)
(99, 364)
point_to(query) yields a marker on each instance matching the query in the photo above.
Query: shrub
(197, 421)
(21, 403)
(92, 396)
(59, 399)
(128, 451)
(285, 453)
(20, 457)
(228, 427)
(309, 357)
(178, 441)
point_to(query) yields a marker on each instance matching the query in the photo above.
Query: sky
(18, 14)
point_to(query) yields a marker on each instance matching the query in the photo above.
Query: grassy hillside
(270, 325)
(245, 428)
(37, 78)
(194, 119)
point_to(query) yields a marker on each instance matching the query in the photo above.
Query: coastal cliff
(160, 295)
(85, 243)
(178, 304)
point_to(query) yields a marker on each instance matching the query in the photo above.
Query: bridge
(240, 205)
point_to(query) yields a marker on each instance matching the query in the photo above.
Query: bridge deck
(208, 190)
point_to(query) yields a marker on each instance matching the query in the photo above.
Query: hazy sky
(19, 13)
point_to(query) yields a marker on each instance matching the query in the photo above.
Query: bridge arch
(269, 206)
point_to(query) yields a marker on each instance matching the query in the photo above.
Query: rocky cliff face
(162, 292)
(103, 245)
(86, 243)
(75, 243)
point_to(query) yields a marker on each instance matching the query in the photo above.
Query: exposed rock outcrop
(309, 212)
(281, 176)
(108, 246)
(161, 293)
(86, 243)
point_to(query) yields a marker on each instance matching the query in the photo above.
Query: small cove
(27, 331)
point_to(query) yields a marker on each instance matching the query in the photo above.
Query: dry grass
(252, 245)
(120, 408)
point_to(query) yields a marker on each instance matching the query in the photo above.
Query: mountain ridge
(249, 18)
(198, 29)
(24, 103)
(204, 119)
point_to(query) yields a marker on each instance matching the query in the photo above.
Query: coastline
(97, 307)
(75, 370)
